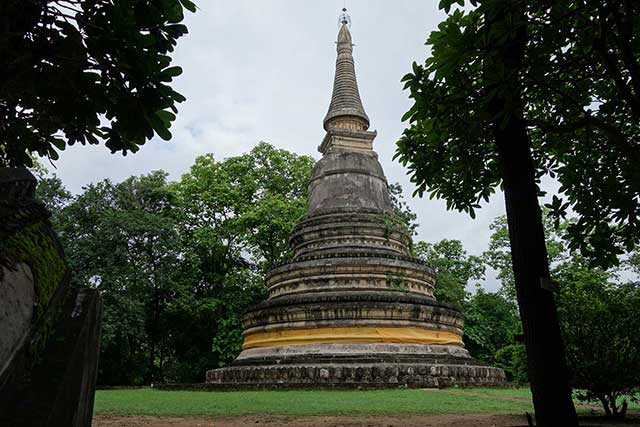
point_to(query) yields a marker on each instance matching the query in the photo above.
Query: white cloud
(263, 70)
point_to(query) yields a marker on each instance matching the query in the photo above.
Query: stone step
(358, 374)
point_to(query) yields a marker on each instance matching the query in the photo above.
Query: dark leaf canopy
(86, 71)
(580, 90)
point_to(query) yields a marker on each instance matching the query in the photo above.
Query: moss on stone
(392, 223)
(36, 246)
(397, 283)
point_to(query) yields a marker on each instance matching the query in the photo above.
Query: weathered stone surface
(346, 107)
(351, 233)
(49, 333)
(17, 297)
(352, 308)
(350, 273)
(56, 387)
(341, 374)
(348, 179)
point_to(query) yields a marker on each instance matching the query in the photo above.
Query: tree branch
(600, 46)
(624, 43)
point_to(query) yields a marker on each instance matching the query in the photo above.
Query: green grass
(300, 403)
(525, 393)
(520, 393)
(318, 402)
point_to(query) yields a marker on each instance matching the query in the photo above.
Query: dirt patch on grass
(479, 420)
(468, 420)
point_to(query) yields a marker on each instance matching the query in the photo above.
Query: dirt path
(469, 420)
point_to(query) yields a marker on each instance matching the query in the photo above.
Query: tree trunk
(613, 405)
(605, 405)
(623, 409)
(152, 355)
(154, 332)
(548, 374)
(547, 369)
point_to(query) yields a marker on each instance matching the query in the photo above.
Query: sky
(262, 70)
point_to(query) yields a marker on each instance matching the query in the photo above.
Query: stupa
(352, 308)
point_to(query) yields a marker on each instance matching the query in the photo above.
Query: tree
(237, 215)
(599, 326)
(123, 239)
(518, 90)
(498, 255)
(86, 71)
(596, 320)
(252, 201)
(491, 322)
(580, 78)
(183, 256)
(513, 360)
(468, 134)
(51, 192)
(402, 209)
(454, 269)
(633, 262)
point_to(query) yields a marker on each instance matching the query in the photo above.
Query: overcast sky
(263, 70)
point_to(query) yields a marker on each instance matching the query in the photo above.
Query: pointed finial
(344, 18)
(346, 109)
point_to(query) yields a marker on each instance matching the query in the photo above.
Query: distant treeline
(177, 264)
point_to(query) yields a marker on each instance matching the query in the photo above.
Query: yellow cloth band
(404, 335)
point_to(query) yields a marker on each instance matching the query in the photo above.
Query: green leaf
(168, 74)
(189, 5)
(177, 97)
(163, 133)
(166, 116)
(59, 143)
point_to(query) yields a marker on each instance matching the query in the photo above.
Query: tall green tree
(252, 201)
(491, 321)
(468, 134)
(237, 215)
(633, 262)
(498, 255)
(515, 90)
(599, 325)
(454, 268)
(86, 71)
(123, 239)
(178, 263)
(596, 311)
(51, 192)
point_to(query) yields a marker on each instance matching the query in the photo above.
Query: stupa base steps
(357, 375)
(373, 365)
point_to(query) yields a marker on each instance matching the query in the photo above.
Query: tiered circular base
(357, 366)
(352, 308)
(354, 340)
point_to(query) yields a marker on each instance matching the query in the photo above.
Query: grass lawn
(315, 402)
(301, 403)
(520, 393)
(525, 393)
